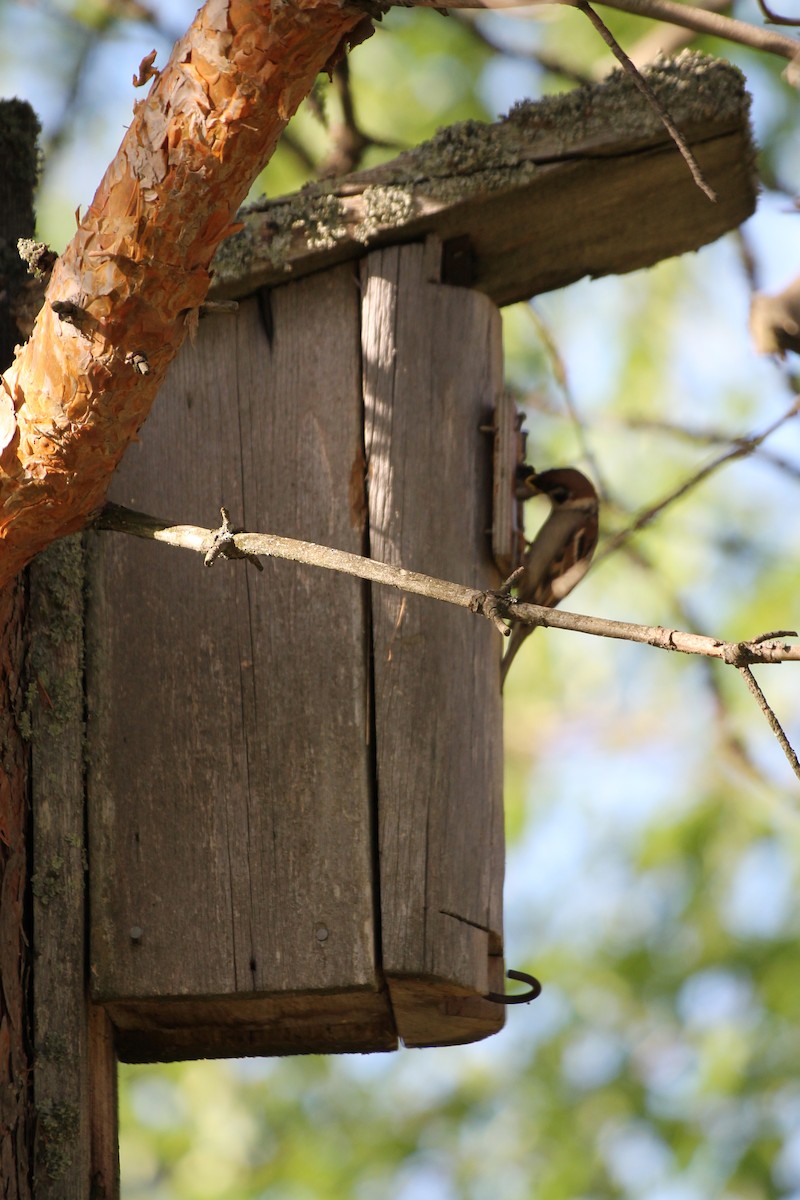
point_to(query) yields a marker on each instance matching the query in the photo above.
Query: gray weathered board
(584, 183)
(290, 851)
(439, 735)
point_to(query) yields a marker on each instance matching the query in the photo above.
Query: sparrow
(559, 556)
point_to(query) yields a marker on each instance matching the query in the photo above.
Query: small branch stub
(223, 544)
(496, 606)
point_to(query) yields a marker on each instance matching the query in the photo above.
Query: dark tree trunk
(18, 131)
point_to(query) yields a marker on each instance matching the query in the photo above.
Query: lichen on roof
(696, 86)
(474, 158)
(699, 86)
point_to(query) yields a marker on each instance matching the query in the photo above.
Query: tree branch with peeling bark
(127, 288)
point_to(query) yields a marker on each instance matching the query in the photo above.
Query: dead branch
(349, 142)
(664, 40)
(685, 15)
(575, 417)
(772, 720)
(650, 96)
(741, 448)
(774, 18)
(708, 436)
(542, 59)
(486, 603)
(705, 21)
(497, 606)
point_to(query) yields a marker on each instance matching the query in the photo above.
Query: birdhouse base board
(434, 1012)
(181, 1028)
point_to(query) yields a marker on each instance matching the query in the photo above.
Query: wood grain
(432, 366)
(103, 1107)
(229, 768)
(61, 1065)
(17, 1120)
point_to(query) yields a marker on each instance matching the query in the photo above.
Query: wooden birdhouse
(296, 838)
(293, 784)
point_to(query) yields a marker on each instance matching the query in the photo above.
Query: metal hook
(523, 997)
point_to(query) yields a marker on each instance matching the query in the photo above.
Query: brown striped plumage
(559, 556)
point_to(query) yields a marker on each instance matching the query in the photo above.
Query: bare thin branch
(497, 606)
(559, 369)
(733, 744)
(772, 720)
(709, 436)
(193, 537)
(685, 15)
(649, 95)
(774, 18)
(664, 39)
(703, 21)
(547, 62)
(741, 449)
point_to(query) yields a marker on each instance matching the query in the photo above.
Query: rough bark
(15, 1115)
(18, 130)
(130, 282)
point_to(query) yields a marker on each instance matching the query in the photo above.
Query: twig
(486, 603)
(703, 21)
(732, 741)
(498, 606)
(710, 436)
(685, 15)
(774, 18)
(650, 96)
(195, 537)
(559, 369)
(741, 449)
(223, 544)
(665, 39)
(772, 720)
(348, 141)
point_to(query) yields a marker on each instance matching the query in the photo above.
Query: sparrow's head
(562, 485)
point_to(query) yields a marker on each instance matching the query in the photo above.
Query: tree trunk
(128, 287)
(18, 130)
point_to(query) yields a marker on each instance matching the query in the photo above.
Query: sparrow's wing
(556, 560)
(554, 556)
(573, 565)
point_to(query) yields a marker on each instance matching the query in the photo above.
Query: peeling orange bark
(131, 280)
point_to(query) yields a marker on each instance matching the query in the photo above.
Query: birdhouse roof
(584, 183)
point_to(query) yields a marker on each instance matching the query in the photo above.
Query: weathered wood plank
(432, 366)
(229, 767)
(301, 1023)
(103, 1107)
(17, 1121)
(586, 183)
(61, 1065)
